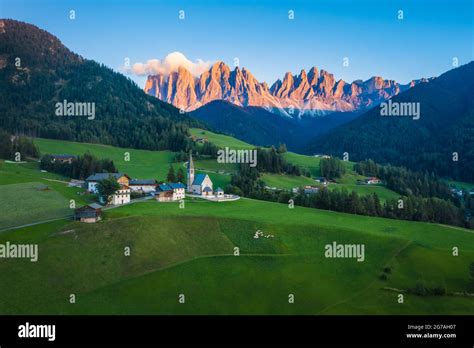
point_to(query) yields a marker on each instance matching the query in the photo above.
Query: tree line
(405, 181)
(332, 168)
(415, 208)
(80, 167)
(11, 146)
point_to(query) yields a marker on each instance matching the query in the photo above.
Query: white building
(121, 196)
(372, 181)
(94, 179)
(199, 184)
(142, 185)
(177, 189)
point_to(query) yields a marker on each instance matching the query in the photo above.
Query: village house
(93, 180)
(175, 190)
(199, 184)
(199, 140)
(321, 180)
(142, 185)
(121, 196)
(319, 155)
(372, 181)
(62, 158)
(88, 213)
(219, 192)
(164, 196)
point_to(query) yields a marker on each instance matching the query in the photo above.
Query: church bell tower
(190, 173)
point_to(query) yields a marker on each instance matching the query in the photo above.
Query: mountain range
(316, 91)
(440, 141)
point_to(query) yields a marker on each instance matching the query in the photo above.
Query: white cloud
(169, 64)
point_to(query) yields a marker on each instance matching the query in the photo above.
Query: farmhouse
(93, 179)
(198, 139)
(174, 190)
(199, 184)
(121, 196)
(372, 180)
(142, 185)
(164, 196)
(62, 158)
(88, 213)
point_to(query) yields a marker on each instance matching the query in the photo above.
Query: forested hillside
(440, 141)
(37, 71)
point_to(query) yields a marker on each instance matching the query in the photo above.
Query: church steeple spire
(190, 172)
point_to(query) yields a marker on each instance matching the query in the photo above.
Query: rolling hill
(190, 251)
(445, 127)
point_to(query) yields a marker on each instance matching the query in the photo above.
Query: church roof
(199, 178)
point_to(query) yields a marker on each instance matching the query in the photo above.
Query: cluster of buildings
(197, 185)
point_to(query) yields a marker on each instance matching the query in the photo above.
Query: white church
(200, 184)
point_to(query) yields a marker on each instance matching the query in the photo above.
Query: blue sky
(260, 34)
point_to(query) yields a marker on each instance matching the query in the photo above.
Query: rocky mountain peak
(315, 90)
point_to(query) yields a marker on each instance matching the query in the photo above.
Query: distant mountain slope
(48, 72)
(446, 125)
(312, 91)
(251, 124)
(261, 127)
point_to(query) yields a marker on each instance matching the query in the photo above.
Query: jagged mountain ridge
(312, 91)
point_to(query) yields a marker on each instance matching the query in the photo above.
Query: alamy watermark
(28, 330)
(406, 109)
(345, 251)
(75, 109)
(14, 251)
(227, 155)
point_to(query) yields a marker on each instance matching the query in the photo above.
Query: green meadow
(142, 164)
(155, 164)
(220, 140)
(25, 203)
(286, 182)
(191, 251)
(29, 195)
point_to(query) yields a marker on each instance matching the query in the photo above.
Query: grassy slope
(21, 203)
(155, 164)
(89, 260)
(190, 251)
(25, 203)
(288, 182)
(143, 163)
(221, 140)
